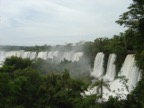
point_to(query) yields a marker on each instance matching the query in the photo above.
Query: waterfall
(77, 56)
(33, 55)
(71, 56)
(42, 55)
(26, 54)
(129, 70)
(110, 71)
(67, 55)
(2, 57)
(98, 65)
(53, 55)
(50, 55)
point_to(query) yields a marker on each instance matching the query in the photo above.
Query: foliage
(140, 60)
(99, 90)
(76, 69)
(134, 20)
(29, 88)
(14, 63)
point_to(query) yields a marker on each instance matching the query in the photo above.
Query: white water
(111, 69)
(42, 55)
(98, 65)
(53, 55)
(72, 56)
(129, 70)
(77, 56)
(68, 56)
(26, 54)
(33, 55)
(2, 57)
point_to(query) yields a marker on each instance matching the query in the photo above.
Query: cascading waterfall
(68, 56)
(77, 56)
(2, 57)
(111, 69)
(130, 71)
(53, 55)
(98, 65)
(117, 86)
(50, 55)
(71, 56)
(33, 55)
(42, 55)
(13, 53)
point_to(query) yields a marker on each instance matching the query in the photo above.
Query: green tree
(25, 86)
(14, 63)
(100, 84)
(6, 96)
(134, 20)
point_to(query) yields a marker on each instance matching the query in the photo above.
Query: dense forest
(26, 83)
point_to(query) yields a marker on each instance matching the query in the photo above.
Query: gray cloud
(30, 22)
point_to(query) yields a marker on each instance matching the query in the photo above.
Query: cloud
(30, 22)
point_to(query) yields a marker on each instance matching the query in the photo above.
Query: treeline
(26, 48)
(37, 48)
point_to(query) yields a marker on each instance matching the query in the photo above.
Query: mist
(53, 59)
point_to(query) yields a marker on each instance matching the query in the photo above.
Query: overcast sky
(39, 22)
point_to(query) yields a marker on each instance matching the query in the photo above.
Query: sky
(51, 22)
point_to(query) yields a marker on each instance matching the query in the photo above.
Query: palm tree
(100, 84)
